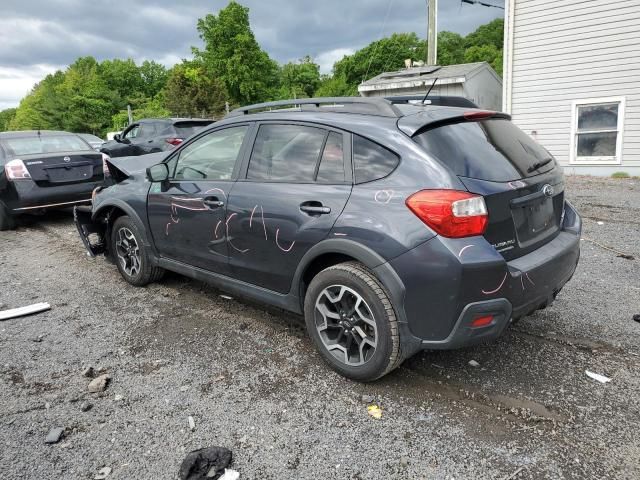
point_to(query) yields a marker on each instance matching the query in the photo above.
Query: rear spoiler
(427, 119)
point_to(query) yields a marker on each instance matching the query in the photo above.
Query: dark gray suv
(392, 228)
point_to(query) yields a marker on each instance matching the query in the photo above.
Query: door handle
(213, 202)
(314, 208)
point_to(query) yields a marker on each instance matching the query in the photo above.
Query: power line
(384, 25)
(479, 2)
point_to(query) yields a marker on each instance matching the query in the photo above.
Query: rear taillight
(105, 167)
(478, 114)
(174, 141)
(450, 213)
(15, 170)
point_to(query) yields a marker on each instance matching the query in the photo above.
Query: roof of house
(424, 75)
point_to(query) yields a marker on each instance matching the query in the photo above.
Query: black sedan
(44, 169)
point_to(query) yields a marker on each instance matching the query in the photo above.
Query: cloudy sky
(39, 36)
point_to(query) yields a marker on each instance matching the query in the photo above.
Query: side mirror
(158, 173)
(117, 137)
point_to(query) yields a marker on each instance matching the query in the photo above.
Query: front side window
(133, 133)
(212, 157)
(286, 153)
(597, 131)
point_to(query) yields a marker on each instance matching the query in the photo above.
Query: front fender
(104, 207)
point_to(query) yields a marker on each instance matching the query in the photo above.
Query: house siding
(561, 51)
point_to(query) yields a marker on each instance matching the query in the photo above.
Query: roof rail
(364, 105)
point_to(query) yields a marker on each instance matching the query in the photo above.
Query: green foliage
(335, 86)
(485, 53)
(190, 92)
(450, 48)
(5, 118)
(491, 33)
(300, 79)
(620, 175)
(380, 56)
(232, 55)
(154, 77)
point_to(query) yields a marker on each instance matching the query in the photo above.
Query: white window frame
(574, 159)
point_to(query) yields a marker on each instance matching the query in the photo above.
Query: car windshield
(186, 129)
(91, 138)
(44, 144)
(494, 150)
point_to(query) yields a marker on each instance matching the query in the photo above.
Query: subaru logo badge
(67, 159)
(548, 190)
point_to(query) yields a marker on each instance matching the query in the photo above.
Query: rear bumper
(448, 283)
(82, 217)
(25, 196)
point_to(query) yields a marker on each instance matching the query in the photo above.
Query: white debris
(192, 424)
(184, 388)
(103, 473)
(229, 474)
(118, 398)
(597, 377)
(473, 363)
(226, 297)
(22, 311)
(600, 223)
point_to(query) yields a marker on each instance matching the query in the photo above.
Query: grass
(620, 175)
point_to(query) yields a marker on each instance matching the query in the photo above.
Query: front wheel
(351, 321)
(132, 257)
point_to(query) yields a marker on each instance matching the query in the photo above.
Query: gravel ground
(253, 383)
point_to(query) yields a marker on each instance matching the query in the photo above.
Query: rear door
(521, 183)
(187, 213)
(298, 180)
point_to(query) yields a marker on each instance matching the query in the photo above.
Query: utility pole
(432, 35)
(129, 114)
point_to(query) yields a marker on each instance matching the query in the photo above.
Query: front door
(297, 183)
(187, 213)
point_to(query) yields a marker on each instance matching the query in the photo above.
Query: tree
(450, 48)
(380, 56)
(334, 86)
(232, 55)
(154, 77)
(122, 76)
(42, 108)
(485, 53)
(6, 116)
(491, 33)
(300, 79)
(190, 91)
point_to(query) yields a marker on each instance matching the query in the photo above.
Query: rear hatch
(56, 160)
(186, 128)
(519, 179)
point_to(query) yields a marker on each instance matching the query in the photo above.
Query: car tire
(342, 288)
(6, 220)
(131, 255)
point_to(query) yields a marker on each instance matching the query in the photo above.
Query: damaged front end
(92, 232)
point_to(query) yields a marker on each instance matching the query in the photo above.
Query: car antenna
(429, 91)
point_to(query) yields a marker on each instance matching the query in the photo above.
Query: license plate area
(535, 221)
(69, 174)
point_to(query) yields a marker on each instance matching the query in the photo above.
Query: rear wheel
(6, 221)
(350, 319)
(132, 257)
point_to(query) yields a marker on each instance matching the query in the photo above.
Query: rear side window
(186, 129)
(494, 150)
(286, 153)
(372, 161)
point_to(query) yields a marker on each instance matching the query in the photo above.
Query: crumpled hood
(128, 166)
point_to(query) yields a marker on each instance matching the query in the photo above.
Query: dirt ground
(253, 383)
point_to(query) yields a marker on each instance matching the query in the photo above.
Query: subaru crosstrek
(392, 228)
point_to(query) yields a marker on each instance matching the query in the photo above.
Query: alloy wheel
(128, 251)
(346, 325)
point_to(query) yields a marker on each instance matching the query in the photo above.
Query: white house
(476, 81)
(572, 80)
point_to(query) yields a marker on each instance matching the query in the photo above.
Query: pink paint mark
(251, 217)
(166, 229)
(517, 184)
(383, 196)
(499, 287)
(230, 217)
(264, 225)
(286, 250)
(529, 278)
(229, 237)
(522, 282)
(218, 190)
(340, 234)
(215, 232)
(464, 249)
(236, 248)
(174, 220)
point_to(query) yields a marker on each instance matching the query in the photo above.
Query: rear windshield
(494, 150)
(186, 129)
(44, 144)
